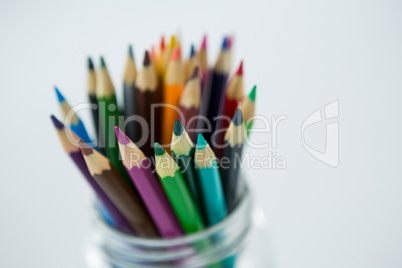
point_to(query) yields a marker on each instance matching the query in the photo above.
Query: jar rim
(244, 204)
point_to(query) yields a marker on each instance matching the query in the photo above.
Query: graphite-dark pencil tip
(238, 117)
(85, 148)
(130, 51)
(147, 60)
(57, 124)
(102, 62)
(178, 128)
(195, 73)
(90, 64)
(158, 149)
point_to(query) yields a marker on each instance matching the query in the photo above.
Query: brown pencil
(146, 94)
(114, 186)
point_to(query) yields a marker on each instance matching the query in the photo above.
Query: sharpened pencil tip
(173, 41)
(57, 124)
(238, 117)
(85, 148)
(121, 137)
(158, 149)
(204, 42)
(130, 51)
(195, 73)
(147, 60)
(60, 97)
(201, 142)
(176, 54)
(240, 69)
(178, 128)
(102, 62)
(162, 43)
(90, 64)
(252, 93)
(225, 43)
(192, 51)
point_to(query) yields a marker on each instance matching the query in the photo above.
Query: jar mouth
(244, 207)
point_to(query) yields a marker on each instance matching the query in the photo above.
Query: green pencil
(109, 118)
(183, 153)
(177, 191)
(248, 108)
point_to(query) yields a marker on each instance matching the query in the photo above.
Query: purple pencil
(75, 154)
(139, 169)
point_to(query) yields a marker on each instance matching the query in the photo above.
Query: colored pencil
(173, 87)
(191, 63)
(234, 138)
(248, 108)
(203, 58)
(72, 149)
(91, 91)
(130, 74)
(233, 96)
(71, 117)
(146, 94)
(177, 191)
(109, 117)
(219, 77)
(115, 187)
(139, 169)
(210, 182)
(189, 104)
(183, 153)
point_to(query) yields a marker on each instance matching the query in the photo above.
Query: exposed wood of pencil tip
(131, 155)
(147, 78)
(91, 78)
(104, 85)
(130, 72)
(181, 144)
(66, 110)
(175, 72)
(191, 96)
(96, 162)
(70, 145)
(204, 156)
(236, 133)
(165, 165)
(235, 88)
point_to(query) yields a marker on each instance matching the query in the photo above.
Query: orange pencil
(172, 89)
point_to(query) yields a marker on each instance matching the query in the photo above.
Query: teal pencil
(210, 182)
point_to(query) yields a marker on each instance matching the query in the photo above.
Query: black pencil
(219, 77)
(129, 77)
(235, 136)
(91, 90)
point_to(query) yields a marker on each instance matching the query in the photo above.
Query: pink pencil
(139, 169)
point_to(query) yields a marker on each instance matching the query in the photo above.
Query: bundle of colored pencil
(177, 186)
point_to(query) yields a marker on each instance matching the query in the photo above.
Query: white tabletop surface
(302, 57)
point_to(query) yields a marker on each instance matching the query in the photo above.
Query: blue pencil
(210, 182)
(76, 125)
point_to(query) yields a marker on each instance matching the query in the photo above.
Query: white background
(301, 56)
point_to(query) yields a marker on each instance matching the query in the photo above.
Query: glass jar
(221, 245)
